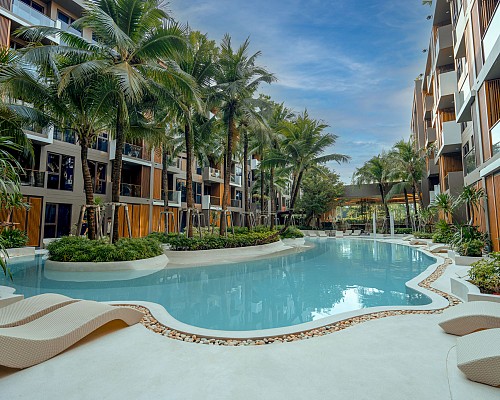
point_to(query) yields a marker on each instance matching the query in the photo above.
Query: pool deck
(399, 357)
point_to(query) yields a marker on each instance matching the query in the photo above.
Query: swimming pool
(334, 276)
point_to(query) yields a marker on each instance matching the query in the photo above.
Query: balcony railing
(210, 202)
(235, 180)
(235, 203)
(31, 15)
(495, 138)
(33, 178)
(130, 190)
(470, 161)
(212, 174)
(132, 150)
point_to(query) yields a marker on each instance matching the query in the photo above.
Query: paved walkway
(401, 357)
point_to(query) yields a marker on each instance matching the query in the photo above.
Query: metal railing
(31, 15)
(132, 150)
(33, 178)
(130, 190)
(174, 197)
(235, 179)
(214, 173)
(235, 203)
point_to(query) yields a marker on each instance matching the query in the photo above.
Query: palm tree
(237, 77)
(302, 149)
(376, 170)
(136, 42)
(472, 197)
(444, 203)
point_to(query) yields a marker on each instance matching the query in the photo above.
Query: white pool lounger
(24, 311)
(478, 356)
(43, 338)
(469, 317)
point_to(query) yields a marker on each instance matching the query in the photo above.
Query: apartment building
(456, 105)
(53, 182)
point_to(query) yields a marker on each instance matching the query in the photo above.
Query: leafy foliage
(14, 238)
(443, 232)
(469, 241)
(486, 273)
(403, 231)
(292, 233)
(80, 249)
(423, 235)
(209, 242)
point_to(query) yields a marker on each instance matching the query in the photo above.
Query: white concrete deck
(393, 358)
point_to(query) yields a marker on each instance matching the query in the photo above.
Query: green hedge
(443, 233)
(81, 249)
(292, 233)
(422, 235)
(403, 231)
(485, 273)
(13, 238)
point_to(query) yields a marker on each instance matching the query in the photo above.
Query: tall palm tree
(376, 170)
(303, 148)
(136, 42)
(237, 77)
(472, 197)
(444, 203)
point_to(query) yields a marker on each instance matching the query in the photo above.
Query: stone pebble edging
(154, 325)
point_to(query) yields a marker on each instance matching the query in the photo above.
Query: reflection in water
(334, 277)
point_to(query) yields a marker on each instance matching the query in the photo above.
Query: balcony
(30, 15)
(432, 168)
(444, 46)
(174, 198)
(463, 103)
(235, 203)
(210, 203)
(131, 152)
(447, 88)
(495, 138)
(459, 46)
(430, 136)
(32, 178)
(451, 138)
(254, 164)
(130, 190)
(492, 32)
(470, 162)
(428, 105)
(212, 175)
(235, 180)
(40, 135)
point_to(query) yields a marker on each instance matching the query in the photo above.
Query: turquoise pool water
(333, 277)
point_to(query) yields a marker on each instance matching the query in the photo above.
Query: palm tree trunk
(117, 168)
(272, 195)
(246, 202)
(88, 187)
(295, 193)
(164, 184)
(262, 188)
(407, 205)
(386, 207)
(189, 175)
(415, 205)
(231, 133)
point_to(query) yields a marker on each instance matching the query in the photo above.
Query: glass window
(197, 192)
(57, 220)
(98, 173)
(101, 143)
(63, 17)
(60, 171)
(181, 186)
(64, 134)
(38, 7)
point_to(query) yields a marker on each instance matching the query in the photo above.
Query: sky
(350, 63)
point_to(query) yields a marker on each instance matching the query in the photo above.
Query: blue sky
(351, 63)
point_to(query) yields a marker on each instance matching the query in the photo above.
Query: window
(98, 173)
(181, 186)
(197, 192)
(101, 143)
(35, 6)
(64, 18)
(64, 134)
(60, 171)
(57, 220)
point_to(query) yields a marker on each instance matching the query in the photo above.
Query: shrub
(485, 273)
(403, 231)
(292, 233)
(162, 237)
(81, 249)
(209, 242)
(443, 232)
(468, 240)
(13, 238)
(422, 235)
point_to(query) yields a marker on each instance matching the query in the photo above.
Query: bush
(485, 273)
(443, 233)
(81, 249)
(162, 237)
(468, 240)
(403, 231)
(292, 233)
(209, 242)
(13, 238)
(422, 235)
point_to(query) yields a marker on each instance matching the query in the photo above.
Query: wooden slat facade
(139, 220)
(493, 101)
(157, 184)
(157, 227)
(28, 221)
(145, 183)
(493, 196)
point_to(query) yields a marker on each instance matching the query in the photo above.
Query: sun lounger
(306, 233)
(415, 242)
(478, 356)
(339, 234)
(407, 238)
(32, 343)
(322, 234)
(438, 247)
(356, 232)
(313, 234)
(469, 317)
(27, 310)
(348, 232)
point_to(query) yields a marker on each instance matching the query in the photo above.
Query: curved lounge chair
(466, 318)
(478, 356)
(37, 341)
(322, 234)
(418, 242)
(29, 309)
(339, 234)
(438, 247)
(356, 232)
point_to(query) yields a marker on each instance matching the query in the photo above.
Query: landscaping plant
(442, 232)
(13, 238)
(485, 273)
(468, 240)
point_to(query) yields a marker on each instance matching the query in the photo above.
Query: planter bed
(153, 263)
(21, 252)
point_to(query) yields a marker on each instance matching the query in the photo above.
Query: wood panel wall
(28, 221)
(145, 182)
(139, 220)
(493, 101)
(493, 193)
(156, 227)
(157, 184)
(158, 155)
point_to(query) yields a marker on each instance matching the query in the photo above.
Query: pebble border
(154, 325)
